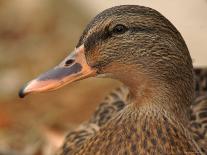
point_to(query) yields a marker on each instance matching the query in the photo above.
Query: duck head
(134, 44)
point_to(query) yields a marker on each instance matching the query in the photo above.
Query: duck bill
(72, 68)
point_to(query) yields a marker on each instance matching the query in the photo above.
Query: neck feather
(173, 97)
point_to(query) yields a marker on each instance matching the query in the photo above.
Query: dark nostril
(69, 62)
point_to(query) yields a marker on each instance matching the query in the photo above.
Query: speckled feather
(118, 99)
(152, 59)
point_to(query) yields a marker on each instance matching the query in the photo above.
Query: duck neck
(172, 97)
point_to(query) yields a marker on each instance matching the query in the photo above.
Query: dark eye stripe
(96, 37)
(105, 34)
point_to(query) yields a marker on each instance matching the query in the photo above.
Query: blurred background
(35, 35)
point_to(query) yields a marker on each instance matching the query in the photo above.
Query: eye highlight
(119, 29)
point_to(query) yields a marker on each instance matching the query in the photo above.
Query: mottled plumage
(118, 99)
(108, 108)
(198, 124)
(200, 81)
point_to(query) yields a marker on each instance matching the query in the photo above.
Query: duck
(141, 48)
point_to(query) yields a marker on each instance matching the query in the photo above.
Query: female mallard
(142, 49)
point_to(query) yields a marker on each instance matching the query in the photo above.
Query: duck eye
(119, 29)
